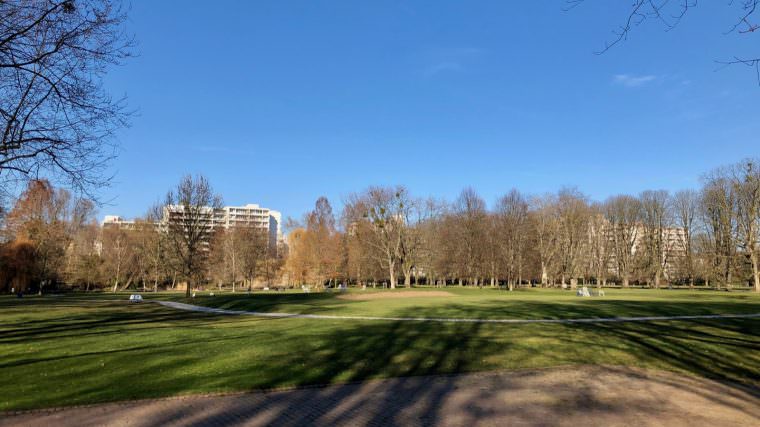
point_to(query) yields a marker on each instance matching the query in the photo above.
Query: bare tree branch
(670, 14)
(56, 118)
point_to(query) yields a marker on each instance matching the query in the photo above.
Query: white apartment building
(672, 239)
(250, 215)
(117, 221)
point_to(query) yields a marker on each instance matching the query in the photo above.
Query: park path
(198, 308)
(577, 396)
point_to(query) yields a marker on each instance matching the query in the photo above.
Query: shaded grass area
(493, 303)
(78, 349)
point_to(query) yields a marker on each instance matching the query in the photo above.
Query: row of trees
(710, 236)
(50, 238)
(385, 235)
(42, 234)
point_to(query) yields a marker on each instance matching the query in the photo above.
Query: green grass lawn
(488, 303)
(77, 348)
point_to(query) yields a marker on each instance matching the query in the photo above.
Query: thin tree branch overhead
(56, 118)
(670, 13)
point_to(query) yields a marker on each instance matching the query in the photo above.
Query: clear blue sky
(279, 102)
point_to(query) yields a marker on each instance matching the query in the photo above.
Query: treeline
(51, 240)
(385, 236)
(47, 237)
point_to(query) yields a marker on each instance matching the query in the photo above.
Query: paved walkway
(585, 396)
(190, 307)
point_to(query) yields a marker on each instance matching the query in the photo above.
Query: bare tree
(512, 214)
(253, 251)
(324, 241)
(746, 181)
(224, 257)
(600, 246)
(573, 217)
(435, 242)
(656, 242)
(545, 225)
(117, 254)
(83, 264)
(470, 215)
(624, 214)
(297, 264)
(56, 118)
(157, 253)
(417, 214)
(188, 219)
(377, 215)
(719, 219)
(686, 209)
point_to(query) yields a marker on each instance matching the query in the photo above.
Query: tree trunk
(392, 273)
(188, 291)
(127, 285)
(544, 275)
(755, 267)
(626, 283)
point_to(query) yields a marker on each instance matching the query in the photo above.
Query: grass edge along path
(204, 309)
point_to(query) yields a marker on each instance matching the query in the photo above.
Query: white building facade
(250, 215)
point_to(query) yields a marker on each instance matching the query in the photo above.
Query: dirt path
(190, 307)
(582, 396)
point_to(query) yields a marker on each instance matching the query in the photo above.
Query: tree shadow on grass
(365, 351)
(588, 309)
(77, 320)
(328, 351)
(726, 350)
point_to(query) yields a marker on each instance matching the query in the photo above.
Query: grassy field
(76, 349)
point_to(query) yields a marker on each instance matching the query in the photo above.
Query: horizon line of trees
(50, 239)
(384, 235)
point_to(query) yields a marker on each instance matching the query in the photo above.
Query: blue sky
(280, 102)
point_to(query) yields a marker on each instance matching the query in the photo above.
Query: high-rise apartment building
(250, 215)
